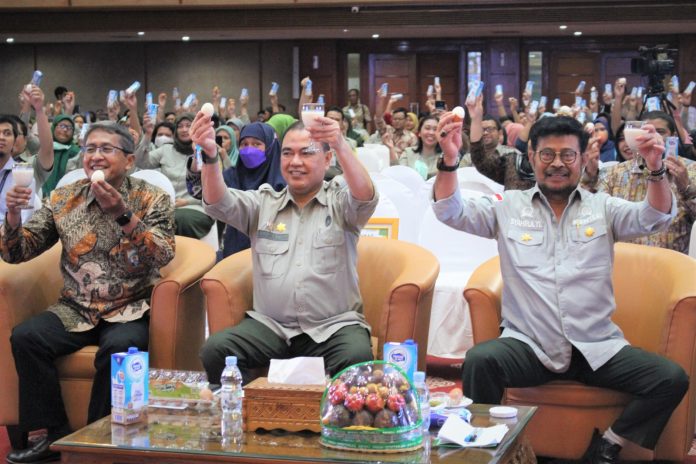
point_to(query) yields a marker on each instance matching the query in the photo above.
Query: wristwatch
(124, 219)
(441, 166)
(208, 160)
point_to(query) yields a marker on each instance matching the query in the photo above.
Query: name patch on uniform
(527, 223)
(272, 236)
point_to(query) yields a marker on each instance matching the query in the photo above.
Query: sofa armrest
(177, 315)
(26, 289)
(483, 294)
(228, 289)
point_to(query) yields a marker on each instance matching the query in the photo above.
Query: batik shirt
(106, 273)
(619, 181)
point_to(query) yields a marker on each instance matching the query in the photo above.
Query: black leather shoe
(601, 451)
(39, 452)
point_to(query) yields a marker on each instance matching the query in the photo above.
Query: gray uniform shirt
(558, 291)
(304, 259)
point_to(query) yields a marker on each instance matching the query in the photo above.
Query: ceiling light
(141, 33)
(563, 27)
(10, 40)
(186, 38)
(345, 30)
(577, 33)
(375, 36)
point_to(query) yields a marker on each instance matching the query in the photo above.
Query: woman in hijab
(171, 159)
(280, 123)
(607, 149)
(64, 149)
(229, 145)
(259, 163)
(512, 130)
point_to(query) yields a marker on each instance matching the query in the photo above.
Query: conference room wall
(92, 69)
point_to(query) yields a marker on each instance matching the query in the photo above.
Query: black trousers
(255, 345)
(658, 384)
(37, 342)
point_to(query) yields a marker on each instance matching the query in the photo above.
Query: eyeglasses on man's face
(489, 129)
(548, 155)
(103, 149)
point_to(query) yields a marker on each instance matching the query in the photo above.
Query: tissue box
(281, 406)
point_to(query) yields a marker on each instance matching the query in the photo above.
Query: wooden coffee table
(193, 439)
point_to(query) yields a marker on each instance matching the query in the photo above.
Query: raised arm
(355, 174)
(651, 148)
(446, 181)
(36, 97)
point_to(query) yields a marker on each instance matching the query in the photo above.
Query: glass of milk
(23, 175)
(632, 130)
(309, 113)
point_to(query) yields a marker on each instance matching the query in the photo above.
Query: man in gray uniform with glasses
(556, 253)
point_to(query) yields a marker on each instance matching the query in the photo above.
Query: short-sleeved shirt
(558, 291)
(106, 274)
(362, 115)
(304, 259)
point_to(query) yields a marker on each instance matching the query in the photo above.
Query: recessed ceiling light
(186, 38)
(375, 36)
(563, 27)
(345, 30)
(10, 40)
(141, 33)
(577, 33)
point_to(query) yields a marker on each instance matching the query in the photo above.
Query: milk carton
(129, 386)
(404, 355)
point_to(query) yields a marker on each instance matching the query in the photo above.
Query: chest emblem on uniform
(526, 237)
(589, 232)
(527, 212)
(280, 227)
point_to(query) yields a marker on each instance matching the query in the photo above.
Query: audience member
(556, 246)
(502, 164)
(191, 221)
(116, 234)
(358, 112)
(425, 156)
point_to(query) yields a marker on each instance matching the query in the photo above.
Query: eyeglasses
(104, 149)
(548, 155)
(304, 153)
(489, 129)
(65, 127)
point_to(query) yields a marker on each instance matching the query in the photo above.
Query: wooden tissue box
(281, 406)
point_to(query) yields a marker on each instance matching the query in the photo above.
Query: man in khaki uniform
(304, 251)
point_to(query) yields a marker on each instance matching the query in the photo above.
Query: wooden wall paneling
(444, 65)
(276, 58)
(318, 61)
(395, 70)
(567, 70)
(121, 3)
(687, 60)
(616, 65)
(502, 66)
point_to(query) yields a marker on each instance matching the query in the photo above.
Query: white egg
(97, 175)
(208, 109)
(458, 112)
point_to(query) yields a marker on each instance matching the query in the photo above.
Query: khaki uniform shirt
(558, 291)
(304, 259)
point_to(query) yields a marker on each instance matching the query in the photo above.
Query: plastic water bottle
(231, 395)
(423, 397)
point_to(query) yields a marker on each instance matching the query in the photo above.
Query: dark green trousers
(255, 345)
(658, 384)
(192, 223)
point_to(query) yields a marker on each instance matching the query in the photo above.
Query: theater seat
(177, 323)
(396, 283)
(655, 292)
